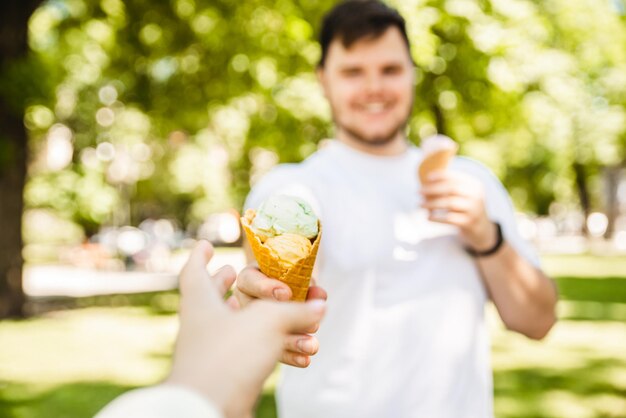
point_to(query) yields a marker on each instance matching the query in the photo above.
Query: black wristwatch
(492, 250)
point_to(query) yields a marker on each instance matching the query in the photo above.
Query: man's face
(370, 88)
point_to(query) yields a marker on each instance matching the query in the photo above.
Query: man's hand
(458, 199)
(226, 354)
(252, 285)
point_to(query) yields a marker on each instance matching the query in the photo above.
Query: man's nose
(373, 83)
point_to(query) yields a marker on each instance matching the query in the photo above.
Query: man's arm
(524, 296)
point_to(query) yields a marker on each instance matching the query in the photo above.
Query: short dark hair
(353, 20)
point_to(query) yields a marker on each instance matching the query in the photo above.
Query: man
(408, 267)
(212, 373)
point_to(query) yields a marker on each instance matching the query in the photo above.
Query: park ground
(79, 353)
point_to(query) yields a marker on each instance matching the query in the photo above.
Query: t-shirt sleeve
(283, 179)
(500, 209)
(162, 401)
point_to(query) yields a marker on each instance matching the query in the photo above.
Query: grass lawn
(69, 363)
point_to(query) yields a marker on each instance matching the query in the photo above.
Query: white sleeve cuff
(163, 401)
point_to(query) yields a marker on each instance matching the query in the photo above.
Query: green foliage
(86, 198)
(176, 106)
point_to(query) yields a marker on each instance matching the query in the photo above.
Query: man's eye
(392, 70)
(351, 73)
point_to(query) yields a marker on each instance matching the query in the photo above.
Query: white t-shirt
(404, 334)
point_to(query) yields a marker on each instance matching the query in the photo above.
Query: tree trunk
(14, 17)
(440, 121)
(583, 194)
(12, 175)
(612, 177)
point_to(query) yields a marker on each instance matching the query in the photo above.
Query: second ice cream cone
(438, 151)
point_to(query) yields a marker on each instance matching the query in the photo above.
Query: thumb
(194, 273)
(295, 317)
(202, 253)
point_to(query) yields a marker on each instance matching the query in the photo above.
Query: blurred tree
(172, 108)
(14, 17)
(589, 97)
(216, 92)
(166, 106)
(535, 90)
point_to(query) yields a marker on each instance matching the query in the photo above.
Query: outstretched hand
(227, 354)
(253, 285)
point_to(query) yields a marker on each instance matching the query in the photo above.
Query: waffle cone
(436, 161)
(296, 276)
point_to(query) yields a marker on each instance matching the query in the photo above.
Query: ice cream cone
(296, 275)
(438, 151)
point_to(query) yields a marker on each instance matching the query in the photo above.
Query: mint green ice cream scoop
(282, 214)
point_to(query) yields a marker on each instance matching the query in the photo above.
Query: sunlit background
(148, 122)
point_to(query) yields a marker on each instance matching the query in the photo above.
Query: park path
(42, 281)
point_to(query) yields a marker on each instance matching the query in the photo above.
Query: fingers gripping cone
(296, 275)
(438, 151)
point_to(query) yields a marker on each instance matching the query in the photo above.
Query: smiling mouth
(374, 108)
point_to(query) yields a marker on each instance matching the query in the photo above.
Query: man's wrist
(484, 252)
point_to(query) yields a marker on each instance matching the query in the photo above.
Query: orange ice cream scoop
(289, 248)
(285, 245)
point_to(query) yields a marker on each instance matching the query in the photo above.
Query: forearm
(524, 296)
